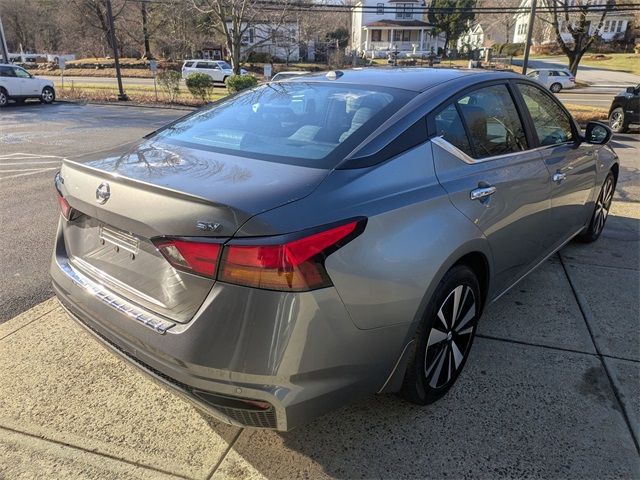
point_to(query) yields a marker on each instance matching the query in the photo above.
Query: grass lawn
(137, 93)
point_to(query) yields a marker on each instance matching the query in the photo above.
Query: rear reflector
(297, 265)
(194, 257)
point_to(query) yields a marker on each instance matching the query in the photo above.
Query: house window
(402, 35)
(248, 36)
(619, 28)
(376, 35)
(380, 9)
(404, 10)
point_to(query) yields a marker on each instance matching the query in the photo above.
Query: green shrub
(259, 57)
(509, 49)
(199, 85)
(236, 83)
(169, 82)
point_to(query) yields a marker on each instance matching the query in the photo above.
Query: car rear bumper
(249, 357)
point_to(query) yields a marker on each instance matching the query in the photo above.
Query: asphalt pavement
(33, 140)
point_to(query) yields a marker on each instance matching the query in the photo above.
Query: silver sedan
(307, 242)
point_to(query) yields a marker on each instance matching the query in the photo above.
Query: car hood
(233, 188)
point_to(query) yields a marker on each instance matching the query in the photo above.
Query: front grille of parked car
(249, 417)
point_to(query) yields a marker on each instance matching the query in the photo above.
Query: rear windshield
(305, 123)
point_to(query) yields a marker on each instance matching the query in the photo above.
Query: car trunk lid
(156, 190)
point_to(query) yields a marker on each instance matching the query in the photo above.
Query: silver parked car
(300, 244)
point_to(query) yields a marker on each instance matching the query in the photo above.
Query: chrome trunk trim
(157, 324)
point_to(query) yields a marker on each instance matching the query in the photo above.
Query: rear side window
(6, 72)
(449, 125)
(188, 64)
(551, 123)
(492, 121)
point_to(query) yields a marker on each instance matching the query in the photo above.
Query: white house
(279, 41)
(479, 36)
(614, 26)
(384, 26)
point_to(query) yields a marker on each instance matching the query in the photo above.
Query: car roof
(414, 79)
(553, 69)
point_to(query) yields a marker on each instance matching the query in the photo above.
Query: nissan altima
(276, 254)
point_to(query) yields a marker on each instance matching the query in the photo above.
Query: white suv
(555, 79)
(18, 84)
(219, 70)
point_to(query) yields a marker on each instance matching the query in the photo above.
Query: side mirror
(631, 90)
(597, 133)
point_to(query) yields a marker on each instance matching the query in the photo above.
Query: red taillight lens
(65, 208)
(297, 265)
(193, 257)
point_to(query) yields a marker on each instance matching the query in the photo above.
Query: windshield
(293, 122)
(224, 65)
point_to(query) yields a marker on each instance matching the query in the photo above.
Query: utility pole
(3, 44)
(116, 58)
(527, 47)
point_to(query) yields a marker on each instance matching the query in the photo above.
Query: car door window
(492, 121)
(551, 123)
(449, 125)
(202, 65)
(20, 73)
(7, 72)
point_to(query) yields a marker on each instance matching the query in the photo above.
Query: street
(552, 389)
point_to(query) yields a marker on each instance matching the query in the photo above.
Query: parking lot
(552, 388)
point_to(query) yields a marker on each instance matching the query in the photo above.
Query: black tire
(48, 95)
(555, 87)
(4, 97)
(618, 121)
(440, 350)
(600, 211)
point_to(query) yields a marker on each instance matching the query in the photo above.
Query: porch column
(422, 39)
(391, 38)
(366, 41)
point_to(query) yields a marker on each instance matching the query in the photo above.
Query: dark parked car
(625, 110)
(272, 256)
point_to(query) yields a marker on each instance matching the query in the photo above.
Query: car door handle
(558, 177)
(482, 192)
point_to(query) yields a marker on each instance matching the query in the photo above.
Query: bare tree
(576, 19)
(233, 19)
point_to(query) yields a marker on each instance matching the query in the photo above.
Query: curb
(130, 104)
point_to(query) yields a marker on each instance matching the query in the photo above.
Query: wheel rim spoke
(438, 370)
(457, 354)
(436, 336)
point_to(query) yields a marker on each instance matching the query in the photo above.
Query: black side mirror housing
(631, 90)
(597, 133)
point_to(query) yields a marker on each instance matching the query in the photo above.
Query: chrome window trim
(452, 149)
(100, 293)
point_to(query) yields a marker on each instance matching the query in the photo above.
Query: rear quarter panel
(413, 235)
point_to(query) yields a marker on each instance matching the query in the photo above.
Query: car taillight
(193, 257)
(65, 208)
(572, 79)
(294, 266)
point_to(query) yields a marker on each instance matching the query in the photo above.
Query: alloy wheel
(3, 99)
(603, 204)
(616, 120)
(450, 337)
(556, 87)
(47, 95)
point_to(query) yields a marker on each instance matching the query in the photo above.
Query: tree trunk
(145, 31)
